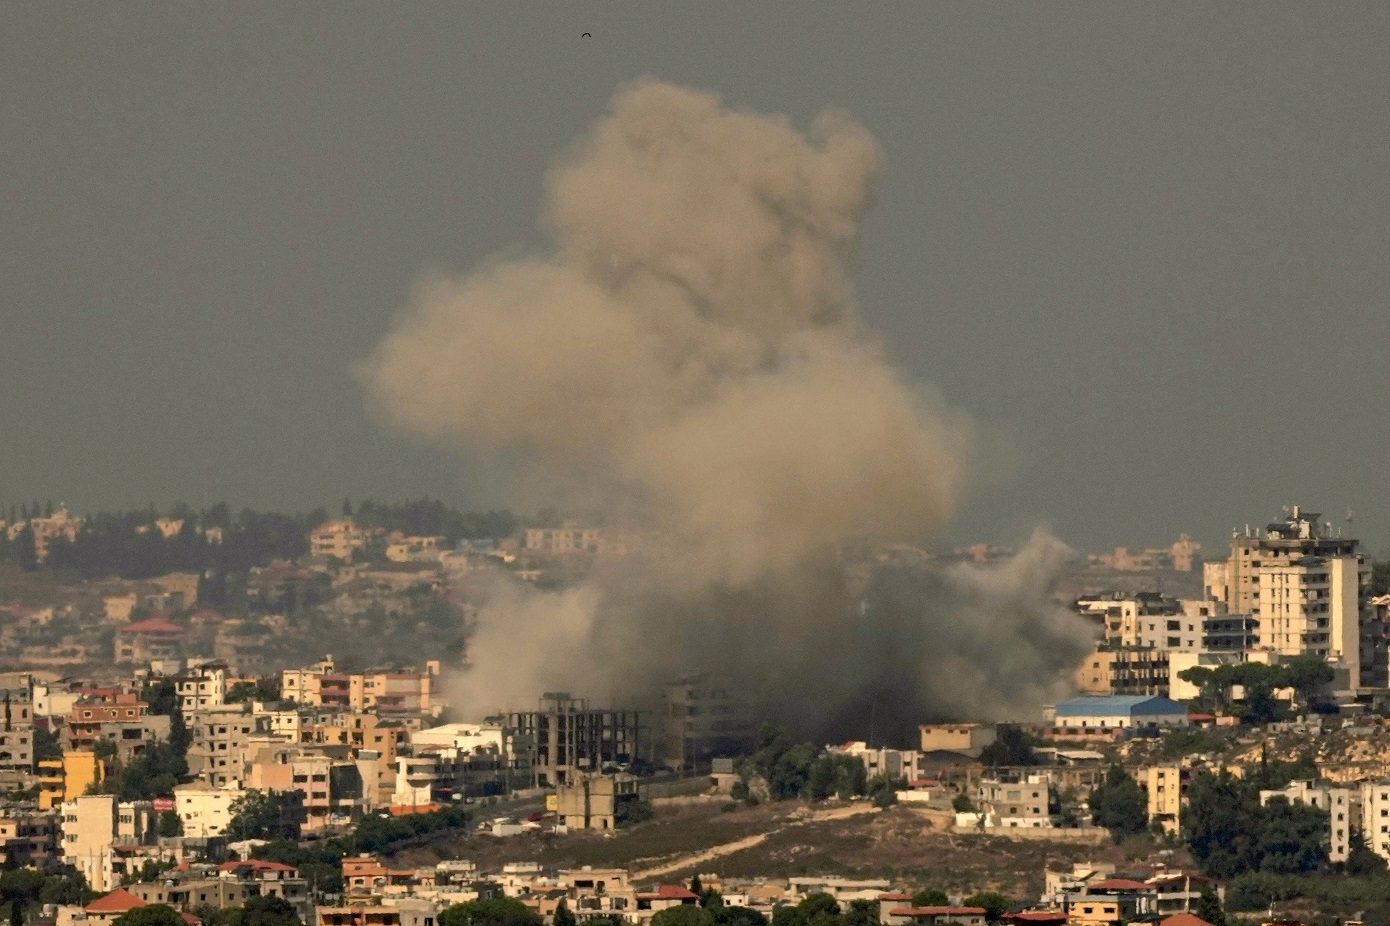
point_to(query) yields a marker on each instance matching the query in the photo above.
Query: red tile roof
(1120, 884)
(938, 911)
(669, 892)
(1183, 919)
(118, 901)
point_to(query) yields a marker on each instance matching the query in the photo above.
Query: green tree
(1218, 822)
(883, 790)
(995, 904)
(962, 803)
(1119, 805)
(1361, 861)
(1380, 576)
(563, 916)
(492, 911)
(170, 824)
(25, 552)
(1208, 907)
(155, 914)
(861, 913)
(683, 915)
(819, 906)
(269, 911)
(1308, 676)
(46, 745)
(1011, 746)
(725, 915)
(263, 815)
(1291, 838)
(66, 885)
(930, 897)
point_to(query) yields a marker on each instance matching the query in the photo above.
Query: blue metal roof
(1118, 706)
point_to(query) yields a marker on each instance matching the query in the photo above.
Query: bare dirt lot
(907, 845)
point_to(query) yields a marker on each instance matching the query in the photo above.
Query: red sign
(163, 803)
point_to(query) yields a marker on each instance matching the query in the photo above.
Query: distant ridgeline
(147, 543)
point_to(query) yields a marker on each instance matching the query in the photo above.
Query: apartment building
(93, 825)
(1131, 671)
(202, 687)
(221, 740)
(907, 764)
(1340, 805)
(286, 769)
(569, 538)
(119, 718)
(17, 733)
(1375, 816)
(564, 736)
(1304, 583)
(149, 641)
(1166, 788)
(29, 839)
(321, 685)
(205, 812)
(702, 718)
(338, 539)
(67, 778)
(230, 884)
(1015, 802)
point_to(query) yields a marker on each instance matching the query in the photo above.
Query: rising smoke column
(689, 354)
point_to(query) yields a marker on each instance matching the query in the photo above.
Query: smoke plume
(690, 356)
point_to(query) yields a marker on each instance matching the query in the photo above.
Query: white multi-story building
(202, 686)
(94, 824)
(205, 812)
(1375, 816)
(338, 539)
(1337, 803)
(1305, 585)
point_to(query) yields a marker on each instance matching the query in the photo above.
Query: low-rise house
(107, 909)
(593, 891)
(930, 916)
(844, 890)
(1015, 802)
(119, 718)
(967, 739)
(149, 640)
(1111, 902)
(665, 896)
(364, 914)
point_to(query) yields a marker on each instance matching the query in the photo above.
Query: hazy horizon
(1142, 249)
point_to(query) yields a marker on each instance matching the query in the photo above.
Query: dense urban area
(245, 720)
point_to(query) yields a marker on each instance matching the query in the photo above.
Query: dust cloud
(689, 357)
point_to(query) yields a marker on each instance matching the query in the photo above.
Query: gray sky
(1144, 246)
